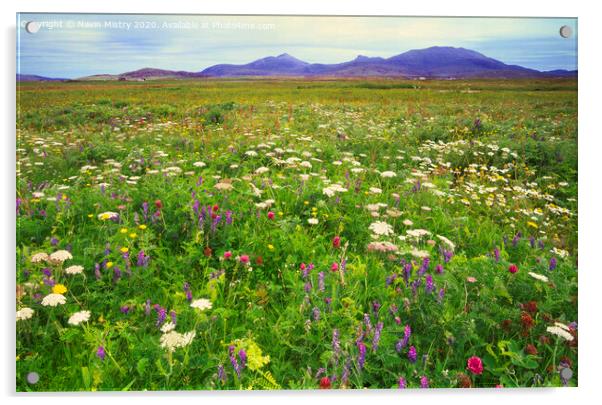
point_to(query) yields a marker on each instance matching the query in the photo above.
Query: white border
(590, 133)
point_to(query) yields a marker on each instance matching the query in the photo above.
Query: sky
(77, 45)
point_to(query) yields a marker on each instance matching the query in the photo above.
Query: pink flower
(512, 268)
(475, 365)
(271, 215)
(227, 255)
(334, 267)
(244, 259)
(471, 279)
(302, 266)
(336, 242)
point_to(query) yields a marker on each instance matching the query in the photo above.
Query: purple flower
(412, 354)
(125, 309)
(100, 352)
(47, 272)
(142, 260)
(402, 383)
(376, 337)
(147, 307)
(321, 281)
(172, 315)
(424, 382)
(441, 295)
(362, 354)
(243, 358)
(233, 360)
(316, 313)
(307, 287)
(375, 307)
(336, 344)
(407, 333)
(54, 241)
(553, 263)
(439, 269)
(429, 286)
(447, 256)
(496, 254)
(161, 314)
(221, 373)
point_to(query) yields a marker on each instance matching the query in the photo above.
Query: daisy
(79, 317)
(53, 300)
(201, 303)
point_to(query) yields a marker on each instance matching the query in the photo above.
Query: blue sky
(76, 45)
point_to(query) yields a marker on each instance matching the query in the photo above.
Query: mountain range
(433, 62)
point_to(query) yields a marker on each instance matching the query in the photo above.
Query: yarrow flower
(173, 340)
(24, 314)
(39, 257)
(79, 317)
(561, 330)
(53, 300)
(539, 277)
(76, 269)
(168, 327)
(381, 228)
(201, 304)
(60, 256)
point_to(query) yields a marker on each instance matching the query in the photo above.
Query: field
(261, 234)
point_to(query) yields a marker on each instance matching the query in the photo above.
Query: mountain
(36, 78)
(145, 74)
(435, 62)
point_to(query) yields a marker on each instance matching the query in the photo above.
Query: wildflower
(412, 354)
(53, 300)
(362, 354)
(388, 174)
(336, 344)
(168, 327)
(271, 215)
(74, 269)
(242, 354)
(39, 257)
(313, 221)
(429, 286)
(475, 365)
(158, 204)
(227, 255)
(560, 331)
(100, 352)
(424, 382)
(79, 317)
(325, 383)
(108, 215)
(553, 263)
(531, 349)
(539, 277)
(334, 266)
(24, 314)
(125, 309)
(513, 268)
(336, 242)
(401, 383)
(381, 228)
(173, 340)
(201, 304)
(376, 338)
(244, 259)
(60, 256)
(59, 289)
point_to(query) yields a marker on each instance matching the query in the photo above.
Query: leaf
(86, 377)
(127, 387)
(141, 366)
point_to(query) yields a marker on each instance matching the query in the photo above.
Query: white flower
(168, 327)
(223, 186)
(262, 170)
(53, 300)
(199, 164)
(39, 257)
(417, 233)
(24, 313)
(108, 215)
(446, 241)
(76, 269)
(420, 254)
(313, 221)
(251, 153)
(201, 303)
(172, 340)
(375, 190)
(305, 164)
(559, 331)
(381, 228)
(407, 222)
(79, 317)
(60, 256)
(540, 277)
(388, 174)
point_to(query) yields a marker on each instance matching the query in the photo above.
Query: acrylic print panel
(295, 202)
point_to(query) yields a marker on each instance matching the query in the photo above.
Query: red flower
(215, 208)
(207, 251)
(244, 259)
(512, 268)
(259, 260)
(158, 204)
(336, 242)
(271, 215)
(227, 255)
(475, 365)
(302, 266)
(334, 267)
(325, 383)
(531, 349)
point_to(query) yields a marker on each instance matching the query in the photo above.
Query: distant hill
(434, 62)
(36, 78)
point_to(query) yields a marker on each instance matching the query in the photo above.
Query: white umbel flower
(388, 174)
(60, 256)
(75, 269)
(168, 327)
(53, 300)
(559, 331)
(172, 340)
(39, 257)
(199, 164)
(24, 314)
(539, 277)
(79, 317)
(381, 228)
(313, 221)
(201, 303)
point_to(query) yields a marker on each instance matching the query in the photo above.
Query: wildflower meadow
(296, 234)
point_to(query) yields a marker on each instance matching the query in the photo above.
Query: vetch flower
(100, 352)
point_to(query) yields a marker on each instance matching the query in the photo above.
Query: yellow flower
(306, 202)
(133, 235)
(59, 289)
(124, 249)
(90, 215)
(271, 247)
(123, 230)
(532, 224)
(142, 227)
(280, 213)
(109, 265)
